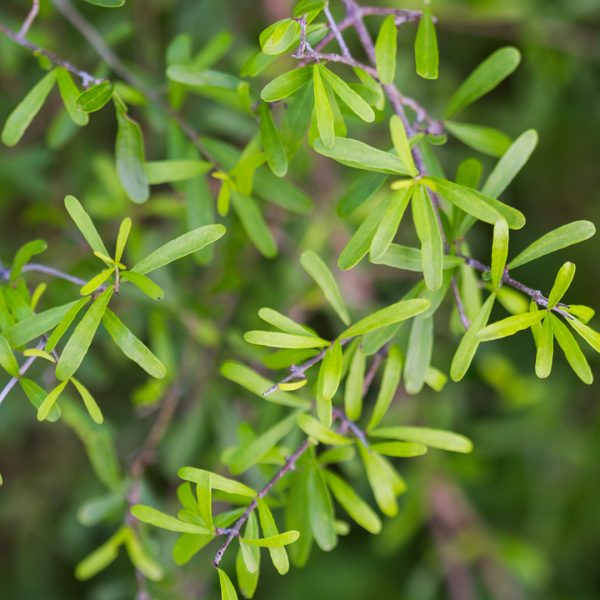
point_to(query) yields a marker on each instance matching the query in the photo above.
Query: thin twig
(459, 305)
(234, 532)
(28, 22)
(377, 360)
(336, 32)
(24, 368)
(34, 267)
(86, 78)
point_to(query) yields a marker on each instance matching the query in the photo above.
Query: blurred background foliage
(518, 518)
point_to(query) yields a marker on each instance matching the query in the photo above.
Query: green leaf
(23, 114)
(557, 239)
(69, 94)
(7, 359)
(315, 430)
(286, 84)
(257, 384)
(475, 203)
(323, 277)
(152, 516)
(360, 242)
(296, 119)
(321, 514)
(271, 142)
(278, 554)
(129, 154)
(352, 503)
(95, 282)
(217, 482)
(283, 323)
(122, 237)
(279, 36)
(187, 545)
(386, 50)
(562, 283)
(204, 499)
(399, 449)
(489, 74)
(426, 47)
(359, 155)
(131, 346)
(405, 309)
(185, 244)
(328, 381)
(483, 139)
(247, 562)
(101, 557)
(275, 339)
(227, 590)
(142, 561)
(402, 144)
(428, 231)
(389, 384)
(469, 173)
(247, 455)
(469, 343)
(33, 327)
(281, 539)
(107, 3)
(23, 254)
(348, 96)
(411, 259)
(499, 252)
(388, 227)
(432, 438)
(510, 164)
(418, 354)
(79, 343)
(254, 224)
(89, 402)
(85, 225)
(587, 333)
(323, 110)
(96, 97)
(50, 400)
(545, 350)
(353, 394)
(169, 171)
(36, 395)
(144, 284)
(360, 191)
(384, 481)
(510, 326)
(571, 349)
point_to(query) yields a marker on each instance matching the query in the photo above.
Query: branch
(234, 532)
(459, 305)
(24, 368)
(86, 78)
(28, 22)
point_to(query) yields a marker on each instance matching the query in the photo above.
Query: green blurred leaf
(286, 84)
(78, 345)
(384, 481)
(428, 231)
(426, 47)
(271, 142)
(269, 528)
(23, 114)
(7, 359)
(499, 252)
(100, 558)
(388, 227)
(279, 36)
(322, 434)
(89, 401)
(227, 590)
(418, 354)
(50, 400)
(322, 516)
(386, 50)
(463, 357)
(359, 155)
(483, 139)
(319, 271)
(323, 110)
(96, 97)
(130, 157)
(328, 381)
(69, 93)
(353, 393)
(85, 225)
(571, 349)
(509, 326)
(433, 438)
(390, 381)
(512, 161)
(545, 350)
(133, 348)
(352, 503)
(254, 224)
(557, 239)
(562, 283)
(152, 516)
(179, 247)
(348, 96)
(168, 171)
(489, 74)
(405, 309)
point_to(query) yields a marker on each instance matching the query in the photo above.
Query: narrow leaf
(428, 231)
(510, 326)
(426, 47)
(386, 50)
(271, 142)
(85, 225)
(499, 251)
